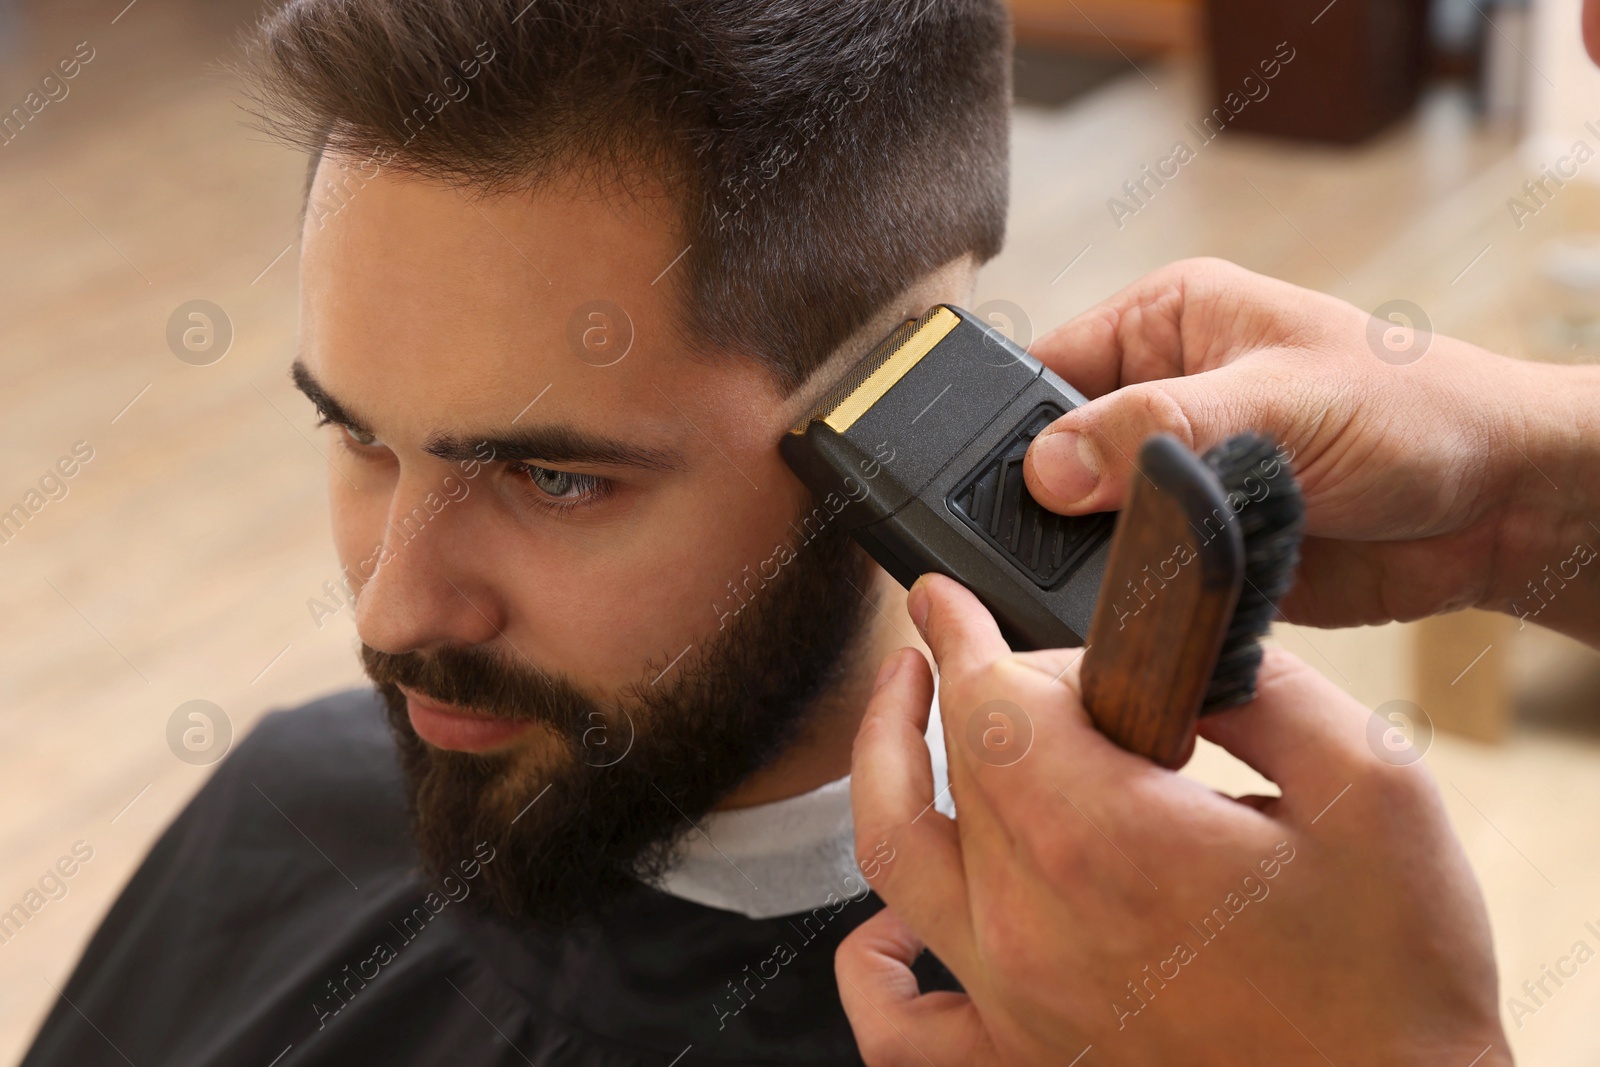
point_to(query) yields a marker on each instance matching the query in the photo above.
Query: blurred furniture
(1503, 82)
(1459, 672)
(1357, 65)
(1134, 27)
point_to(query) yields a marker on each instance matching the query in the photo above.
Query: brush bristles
(1271, 515)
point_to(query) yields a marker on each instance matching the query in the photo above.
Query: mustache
(475, 678)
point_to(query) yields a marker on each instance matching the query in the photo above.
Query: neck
(822, 753)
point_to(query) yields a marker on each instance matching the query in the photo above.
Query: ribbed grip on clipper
(994, 501)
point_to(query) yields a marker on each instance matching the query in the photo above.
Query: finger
(1136, 354)
(1044, 689)
(957, 627)
(1136, 335)
(1158, 327)
(1083, 460)
(909, 852)
(1350, 582)
(894, 1022)
(1086, 351)
(891, 771)
(965, 640)
(1302, 732)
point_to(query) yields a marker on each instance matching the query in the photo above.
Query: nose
(426, 591)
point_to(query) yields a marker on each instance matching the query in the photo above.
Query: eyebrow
(555, 443)
(331, 409)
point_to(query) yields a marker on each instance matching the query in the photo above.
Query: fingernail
(1067, 465)
(887, 671)
(917, 604)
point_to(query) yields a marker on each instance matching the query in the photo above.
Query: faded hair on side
(823, 155)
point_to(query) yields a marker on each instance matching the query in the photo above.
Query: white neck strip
(789, 856)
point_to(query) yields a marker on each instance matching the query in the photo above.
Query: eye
(349, 436)
(360, 437)
(557, 484)
(561, 490)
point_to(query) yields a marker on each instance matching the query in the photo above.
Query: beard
(596, 800)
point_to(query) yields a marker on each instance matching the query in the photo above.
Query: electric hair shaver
(924, 441)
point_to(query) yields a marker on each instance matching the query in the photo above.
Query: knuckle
(1194, 265)
(1393, 791)
(1151, 407)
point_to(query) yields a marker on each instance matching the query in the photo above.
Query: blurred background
(1419, 159)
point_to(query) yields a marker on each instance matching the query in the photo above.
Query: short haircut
(823, 154)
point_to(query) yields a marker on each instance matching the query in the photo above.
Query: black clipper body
(919, 452)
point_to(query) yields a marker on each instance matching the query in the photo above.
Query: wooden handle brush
(1203, 549)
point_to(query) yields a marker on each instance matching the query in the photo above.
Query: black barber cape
(283, 915)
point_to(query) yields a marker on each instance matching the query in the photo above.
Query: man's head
(569, 270)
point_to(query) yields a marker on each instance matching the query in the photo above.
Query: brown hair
(826, 153)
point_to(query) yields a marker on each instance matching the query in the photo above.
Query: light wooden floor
(179, 565)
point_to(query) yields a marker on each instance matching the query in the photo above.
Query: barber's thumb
(1082, 461)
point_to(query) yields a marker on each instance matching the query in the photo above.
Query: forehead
(425, 302)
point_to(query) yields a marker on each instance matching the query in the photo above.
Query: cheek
(618, 605)
(726, 550)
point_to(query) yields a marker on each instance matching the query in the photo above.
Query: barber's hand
(1085, 896)
(1444, 482)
